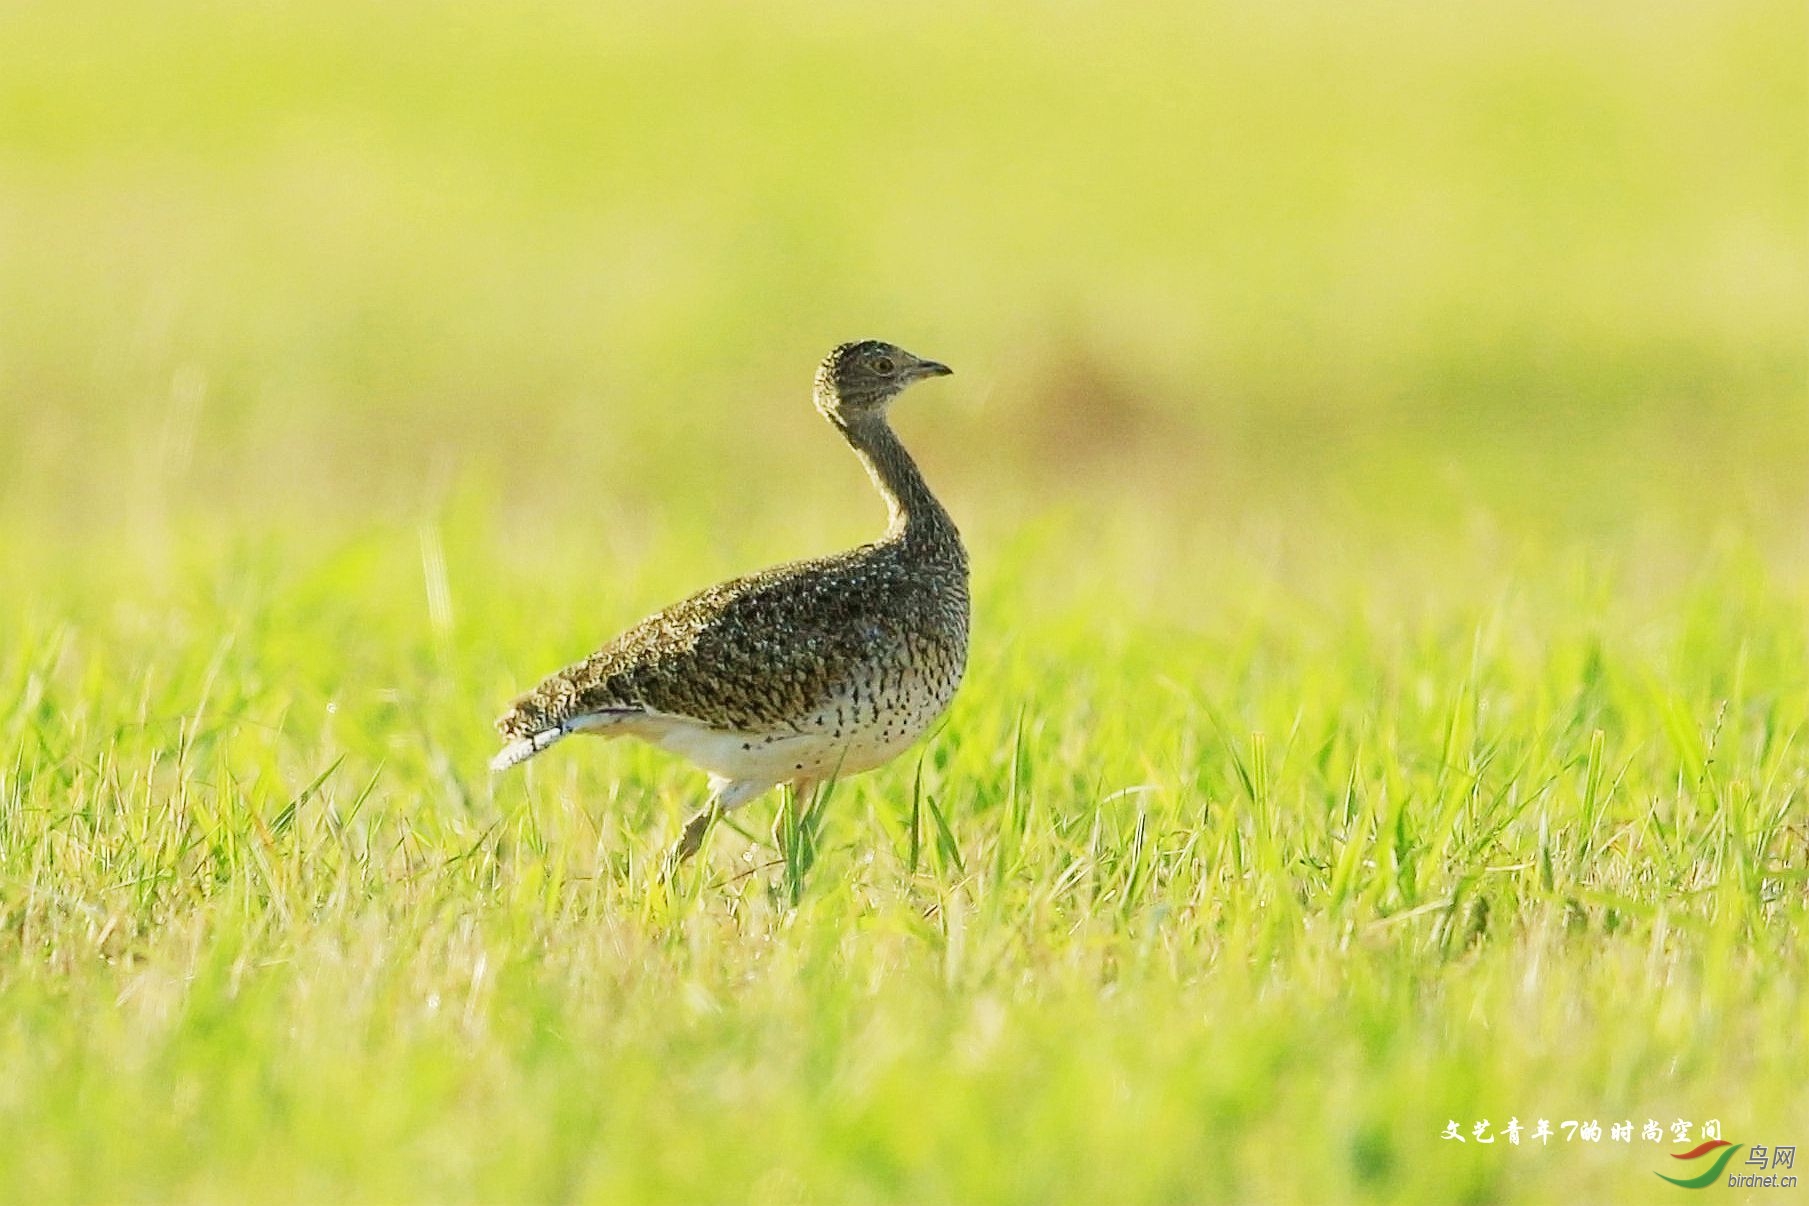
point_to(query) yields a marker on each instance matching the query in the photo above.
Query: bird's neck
(910, 507)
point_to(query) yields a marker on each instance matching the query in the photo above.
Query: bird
(802, 673)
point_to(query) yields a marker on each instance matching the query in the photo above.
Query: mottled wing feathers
(757, 653)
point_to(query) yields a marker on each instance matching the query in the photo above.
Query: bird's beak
(931, 368)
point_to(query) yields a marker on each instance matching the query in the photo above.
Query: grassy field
(1381, 435)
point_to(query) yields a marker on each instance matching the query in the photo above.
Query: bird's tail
(521, 749)
(532, 729)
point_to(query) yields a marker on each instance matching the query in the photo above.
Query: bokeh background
(1519, 264)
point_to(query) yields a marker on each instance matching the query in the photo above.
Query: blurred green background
(1542, 266)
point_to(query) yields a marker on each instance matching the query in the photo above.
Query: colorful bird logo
(1696, 1153)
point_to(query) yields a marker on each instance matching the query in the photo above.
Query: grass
(1380, 438)
(1248, 905)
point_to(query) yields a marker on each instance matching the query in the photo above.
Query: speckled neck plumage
(912, 511)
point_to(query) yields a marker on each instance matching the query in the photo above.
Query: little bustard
(799, 673)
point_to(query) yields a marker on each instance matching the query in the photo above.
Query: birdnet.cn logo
(1760, 1169)
(1714, 1161)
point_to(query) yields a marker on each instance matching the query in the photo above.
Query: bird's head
(858, 380)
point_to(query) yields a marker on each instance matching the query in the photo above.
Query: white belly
(839, 740)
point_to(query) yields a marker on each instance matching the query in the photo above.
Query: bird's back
(871, 630)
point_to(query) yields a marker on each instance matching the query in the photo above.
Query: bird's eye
(884, 366)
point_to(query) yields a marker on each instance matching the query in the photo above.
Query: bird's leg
(691, 840)
(729, 795)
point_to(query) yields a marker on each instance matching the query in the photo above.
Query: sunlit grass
(1176, 905)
